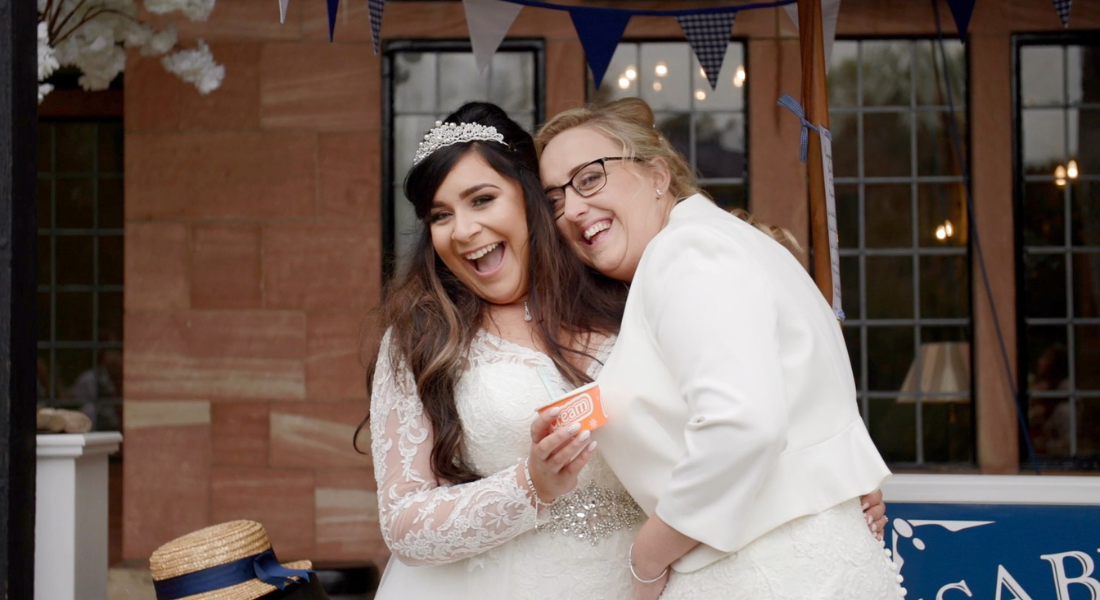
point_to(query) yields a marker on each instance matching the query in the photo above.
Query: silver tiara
(445, 134)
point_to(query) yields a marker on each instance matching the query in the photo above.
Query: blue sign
(996, 551)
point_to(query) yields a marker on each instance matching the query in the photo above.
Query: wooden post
(18, 327)
(815, 101)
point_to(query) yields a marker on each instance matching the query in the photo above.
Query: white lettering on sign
(1005, 580)
(961, 586)
(1062, 582)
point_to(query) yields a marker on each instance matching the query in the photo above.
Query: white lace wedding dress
(484, 540)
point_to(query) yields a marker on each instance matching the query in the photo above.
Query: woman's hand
(557, 456)
(874, 511)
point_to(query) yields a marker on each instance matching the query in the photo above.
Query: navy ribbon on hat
(264, 567)
(792, 105)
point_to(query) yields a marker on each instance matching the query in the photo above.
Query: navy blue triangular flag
(1063, 6)
(599, 31)
(374, 11)
(961, 10)
(708, 34)
(333, 5)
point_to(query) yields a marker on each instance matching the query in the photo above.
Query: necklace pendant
(526, 313)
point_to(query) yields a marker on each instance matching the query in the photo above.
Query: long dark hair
(433, 317)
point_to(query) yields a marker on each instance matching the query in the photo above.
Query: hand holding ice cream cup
(582, 406)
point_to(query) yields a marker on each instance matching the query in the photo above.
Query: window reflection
(1059, 144)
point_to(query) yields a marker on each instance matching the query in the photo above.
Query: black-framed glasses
(589, 179)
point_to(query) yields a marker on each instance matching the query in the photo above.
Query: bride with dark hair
(491, 318)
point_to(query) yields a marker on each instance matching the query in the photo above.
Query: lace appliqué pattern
(422, 521)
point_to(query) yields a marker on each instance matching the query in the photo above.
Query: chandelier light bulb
(661, 69)
(1060, 175)
(624, 82)
(948, 228)
(700, 95)
(941, 233)
(739, 76)
(657, 86)
(631, 73)
(1071, 169)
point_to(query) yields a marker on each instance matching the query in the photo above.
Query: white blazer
(730, 398)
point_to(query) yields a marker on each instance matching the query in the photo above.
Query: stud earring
(659, 192)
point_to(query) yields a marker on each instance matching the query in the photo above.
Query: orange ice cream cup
(581, 405)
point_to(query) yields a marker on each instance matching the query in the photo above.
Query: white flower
(47, 59)
(196, 66)
(96, 46)
(196, 10)
(43, 89)
(160, 42)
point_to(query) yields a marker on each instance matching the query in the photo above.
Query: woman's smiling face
(610, 229)
(478, 224)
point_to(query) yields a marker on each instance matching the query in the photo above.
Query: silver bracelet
(630, 561)
(531, 484)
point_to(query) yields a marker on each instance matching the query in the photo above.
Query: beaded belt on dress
(590, 513)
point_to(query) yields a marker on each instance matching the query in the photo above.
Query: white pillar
(70, 532)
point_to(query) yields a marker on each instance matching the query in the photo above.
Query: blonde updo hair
(630, 121)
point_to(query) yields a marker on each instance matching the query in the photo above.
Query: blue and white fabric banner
(282, 10)
(488, 22)
(374, 11)
(708, 34)
(961, 10)
(333, 8)
(599, 30)
(996, 551)
(1063, 6)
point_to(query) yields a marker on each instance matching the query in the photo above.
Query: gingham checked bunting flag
(1063, 6)
(708, 34)
(374, 10)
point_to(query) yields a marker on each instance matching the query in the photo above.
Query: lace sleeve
(425, 521)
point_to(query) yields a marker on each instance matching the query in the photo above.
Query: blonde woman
(730, 398)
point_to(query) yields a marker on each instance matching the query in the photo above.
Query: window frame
(1019, 179)
(915, 252)
(390, 48)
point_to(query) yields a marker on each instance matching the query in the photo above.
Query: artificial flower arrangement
(93, 35)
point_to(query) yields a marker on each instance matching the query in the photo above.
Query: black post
(18, 331)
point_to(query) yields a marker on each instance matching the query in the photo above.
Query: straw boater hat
(231, 561)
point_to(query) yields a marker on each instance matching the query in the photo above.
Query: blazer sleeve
(713, 316)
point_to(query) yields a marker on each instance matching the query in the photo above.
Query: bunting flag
(282, 10)
(488, 22)
(599, 30)
(333, 7)
(1063, 6)
(374, 10)
(830, 11)
(961, 10)
(708, 34)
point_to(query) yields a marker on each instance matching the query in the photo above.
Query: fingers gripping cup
(581, 405)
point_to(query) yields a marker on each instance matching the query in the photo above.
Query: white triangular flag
(830, 10)
(282, 10)
(488, 21)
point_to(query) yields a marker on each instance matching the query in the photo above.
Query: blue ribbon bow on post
(792, 105)
(263, 566)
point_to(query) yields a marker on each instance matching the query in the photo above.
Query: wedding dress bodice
(489, 525)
